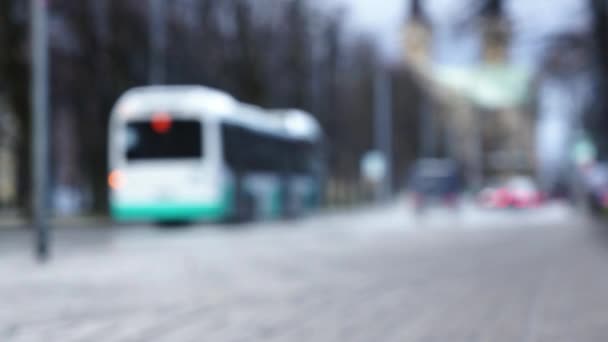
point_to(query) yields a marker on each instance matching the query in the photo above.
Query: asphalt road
(366, 275)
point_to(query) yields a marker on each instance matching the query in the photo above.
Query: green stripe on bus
(276, 203)
(176, 211)
(169, 211)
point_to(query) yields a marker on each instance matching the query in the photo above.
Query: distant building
(482, 112)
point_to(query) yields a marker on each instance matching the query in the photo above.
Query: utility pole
(40, 125)
(157, 32)
(478, 149)
(427, 130)
(383, 127)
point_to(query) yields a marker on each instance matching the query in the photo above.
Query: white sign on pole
(373, 166)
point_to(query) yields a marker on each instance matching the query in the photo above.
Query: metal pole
(427, 133)
(39, 98)
(383, 128)
(158, 41)
(477, 148)
(448, 142)
(576, 91)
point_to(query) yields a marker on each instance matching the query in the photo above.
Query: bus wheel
(174, 224)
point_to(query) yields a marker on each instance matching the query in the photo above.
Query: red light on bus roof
(161, 123)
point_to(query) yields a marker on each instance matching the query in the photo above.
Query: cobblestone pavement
(367, 275)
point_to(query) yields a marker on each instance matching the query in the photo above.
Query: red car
(520, 192)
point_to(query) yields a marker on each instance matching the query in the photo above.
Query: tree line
(275, 54)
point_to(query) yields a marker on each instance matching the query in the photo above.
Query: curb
(12, 223)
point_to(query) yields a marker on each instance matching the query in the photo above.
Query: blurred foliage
(14, 80)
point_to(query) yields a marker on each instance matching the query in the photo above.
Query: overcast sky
(533, 20)
(383, 18)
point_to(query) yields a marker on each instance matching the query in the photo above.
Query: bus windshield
(175, 139)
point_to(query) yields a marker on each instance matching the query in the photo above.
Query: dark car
(435, 181)
(595, 182)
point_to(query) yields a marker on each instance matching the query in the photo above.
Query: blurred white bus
(188, 153)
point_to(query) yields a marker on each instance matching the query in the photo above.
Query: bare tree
(270, 53)
(14, 74)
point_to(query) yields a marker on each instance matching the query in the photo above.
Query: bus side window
(266, 155)
(233, 154)
(244, 150)
(251, 151)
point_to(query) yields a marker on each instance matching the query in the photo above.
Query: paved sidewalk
(370, 275)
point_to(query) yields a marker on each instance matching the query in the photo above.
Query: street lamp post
(383, 128)
(39, 105)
